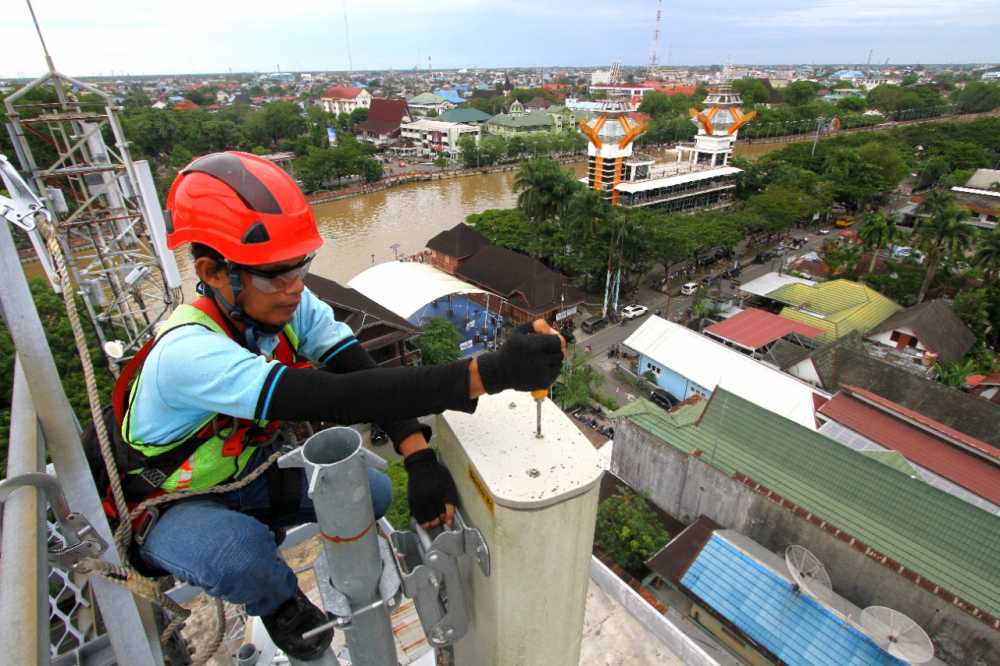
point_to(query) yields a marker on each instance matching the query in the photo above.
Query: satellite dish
(809, 573)
(897, 634)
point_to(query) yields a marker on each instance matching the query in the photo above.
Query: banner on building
(569, 312)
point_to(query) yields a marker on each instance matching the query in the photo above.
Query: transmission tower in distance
(655, 48)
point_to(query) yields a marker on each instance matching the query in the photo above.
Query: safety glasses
(273, 282)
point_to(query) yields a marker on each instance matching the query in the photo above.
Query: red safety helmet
(242, 206)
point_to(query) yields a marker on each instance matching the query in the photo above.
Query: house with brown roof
(925, 333)
(381, 332)
(450, 248)
(526, 287)
(958, 464)
(344, 99)
(384, 119)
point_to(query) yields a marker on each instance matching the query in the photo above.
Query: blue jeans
(225, 544)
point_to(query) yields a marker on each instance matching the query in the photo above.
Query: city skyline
(185, 37)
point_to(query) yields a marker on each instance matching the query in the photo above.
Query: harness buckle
(144, 524)
(233, 446)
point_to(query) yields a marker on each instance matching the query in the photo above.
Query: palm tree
(876, 232)
(945, 231)
(987, 255)
(936, 201)
(543, 189)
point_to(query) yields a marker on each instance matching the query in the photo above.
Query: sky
(139, 37)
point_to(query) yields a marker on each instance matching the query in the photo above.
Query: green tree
(576, 382)
(799, 93)
(398, 513)
(851, 105)
(469, 148)
(629, 531)
(752, 91)
(274, 122)
(944, 233)
(492, 148)
(973, 308)
(934, 169)
(987, 255)
(543, 188)
(783, 206)
(977, 97)
(954, 374)
(59, 335)
(855, 180)
(439, 342)
(840, 259)
(876, 232)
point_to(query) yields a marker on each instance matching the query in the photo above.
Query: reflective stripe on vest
(213, 461)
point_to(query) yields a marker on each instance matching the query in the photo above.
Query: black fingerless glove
(430, 486)
(527, 361)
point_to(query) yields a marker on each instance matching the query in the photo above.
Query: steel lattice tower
(105, 209)
(655, 48)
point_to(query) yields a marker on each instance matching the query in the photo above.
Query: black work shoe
(293, 618)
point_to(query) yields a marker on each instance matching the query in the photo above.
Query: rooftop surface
(768, 282)
(710, 363)
(936, 326)
(680, 179)
(947, 541)
(845, 362)
(837, 307)
(754, 328)
(959, 466)
(731, 576)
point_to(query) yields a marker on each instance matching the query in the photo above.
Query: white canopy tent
(405, 287)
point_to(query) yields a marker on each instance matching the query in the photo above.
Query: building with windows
(429, 103)
(981, 196)
(698, 179)
(434, 137)
(385, 116)
(344, 99)
(514, 123)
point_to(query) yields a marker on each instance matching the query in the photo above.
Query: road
(615, 334)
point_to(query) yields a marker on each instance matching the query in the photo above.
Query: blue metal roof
(450, 95)
(793, 626)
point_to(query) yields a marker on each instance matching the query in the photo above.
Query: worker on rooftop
(256, 348)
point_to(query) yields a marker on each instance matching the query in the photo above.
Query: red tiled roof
(385, 116)
(946, 431)
(959, 466)
(342, 92)
(754, 328)
(983, 380)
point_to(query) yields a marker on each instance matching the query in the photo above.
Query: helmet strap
(252, 328)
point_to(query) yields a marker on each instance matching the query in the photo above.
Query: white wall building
(343, 99)
(437, 136)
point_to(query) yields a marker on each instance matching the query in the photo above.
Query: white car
(633, 311)
(823, 232)
(689, 288)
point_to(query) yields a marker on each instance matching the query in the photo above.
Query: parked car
(593, 324)
(664, 399)
(689, 288)
(844, 222)
(634, 311)
(763, 257)
(823, 232)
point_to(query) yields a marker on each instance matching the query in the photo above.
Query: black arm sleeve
(349, 356)
(378, 394)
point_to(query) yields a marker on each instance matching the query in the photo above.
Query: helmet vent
(230, 170)
(257, 233)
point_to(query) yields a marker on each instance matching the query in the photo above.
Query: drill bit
(539, 395)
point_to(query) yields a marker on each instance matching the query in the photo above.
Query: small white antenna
(897, 634)
(809, 573)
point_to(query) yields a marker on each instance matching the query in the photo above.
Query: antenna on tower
(870, 52)
(347, 42)
(655, 48)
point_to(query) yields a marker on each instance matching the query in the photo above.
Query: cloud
(874, 14)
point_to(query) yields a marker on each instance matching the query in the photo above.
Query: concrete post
(535, 501)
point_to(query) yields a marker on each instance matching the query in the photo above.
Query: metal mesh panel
(72, 617)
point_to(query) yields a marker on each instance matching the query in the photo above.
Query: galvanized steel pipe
(24, 597)
(338, 486)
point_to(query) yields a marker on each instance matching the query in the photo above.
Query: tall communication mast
(68, 139)
(655, 48)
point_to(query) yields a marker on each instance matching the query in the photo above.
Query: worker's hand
(529, 360)
(430, 490)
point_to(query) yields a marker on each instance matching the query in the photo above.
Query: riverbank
(418, 177)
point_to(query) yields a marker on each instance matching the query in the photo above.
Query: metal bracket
(80, 540)
(431, 577)
(21, 209)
